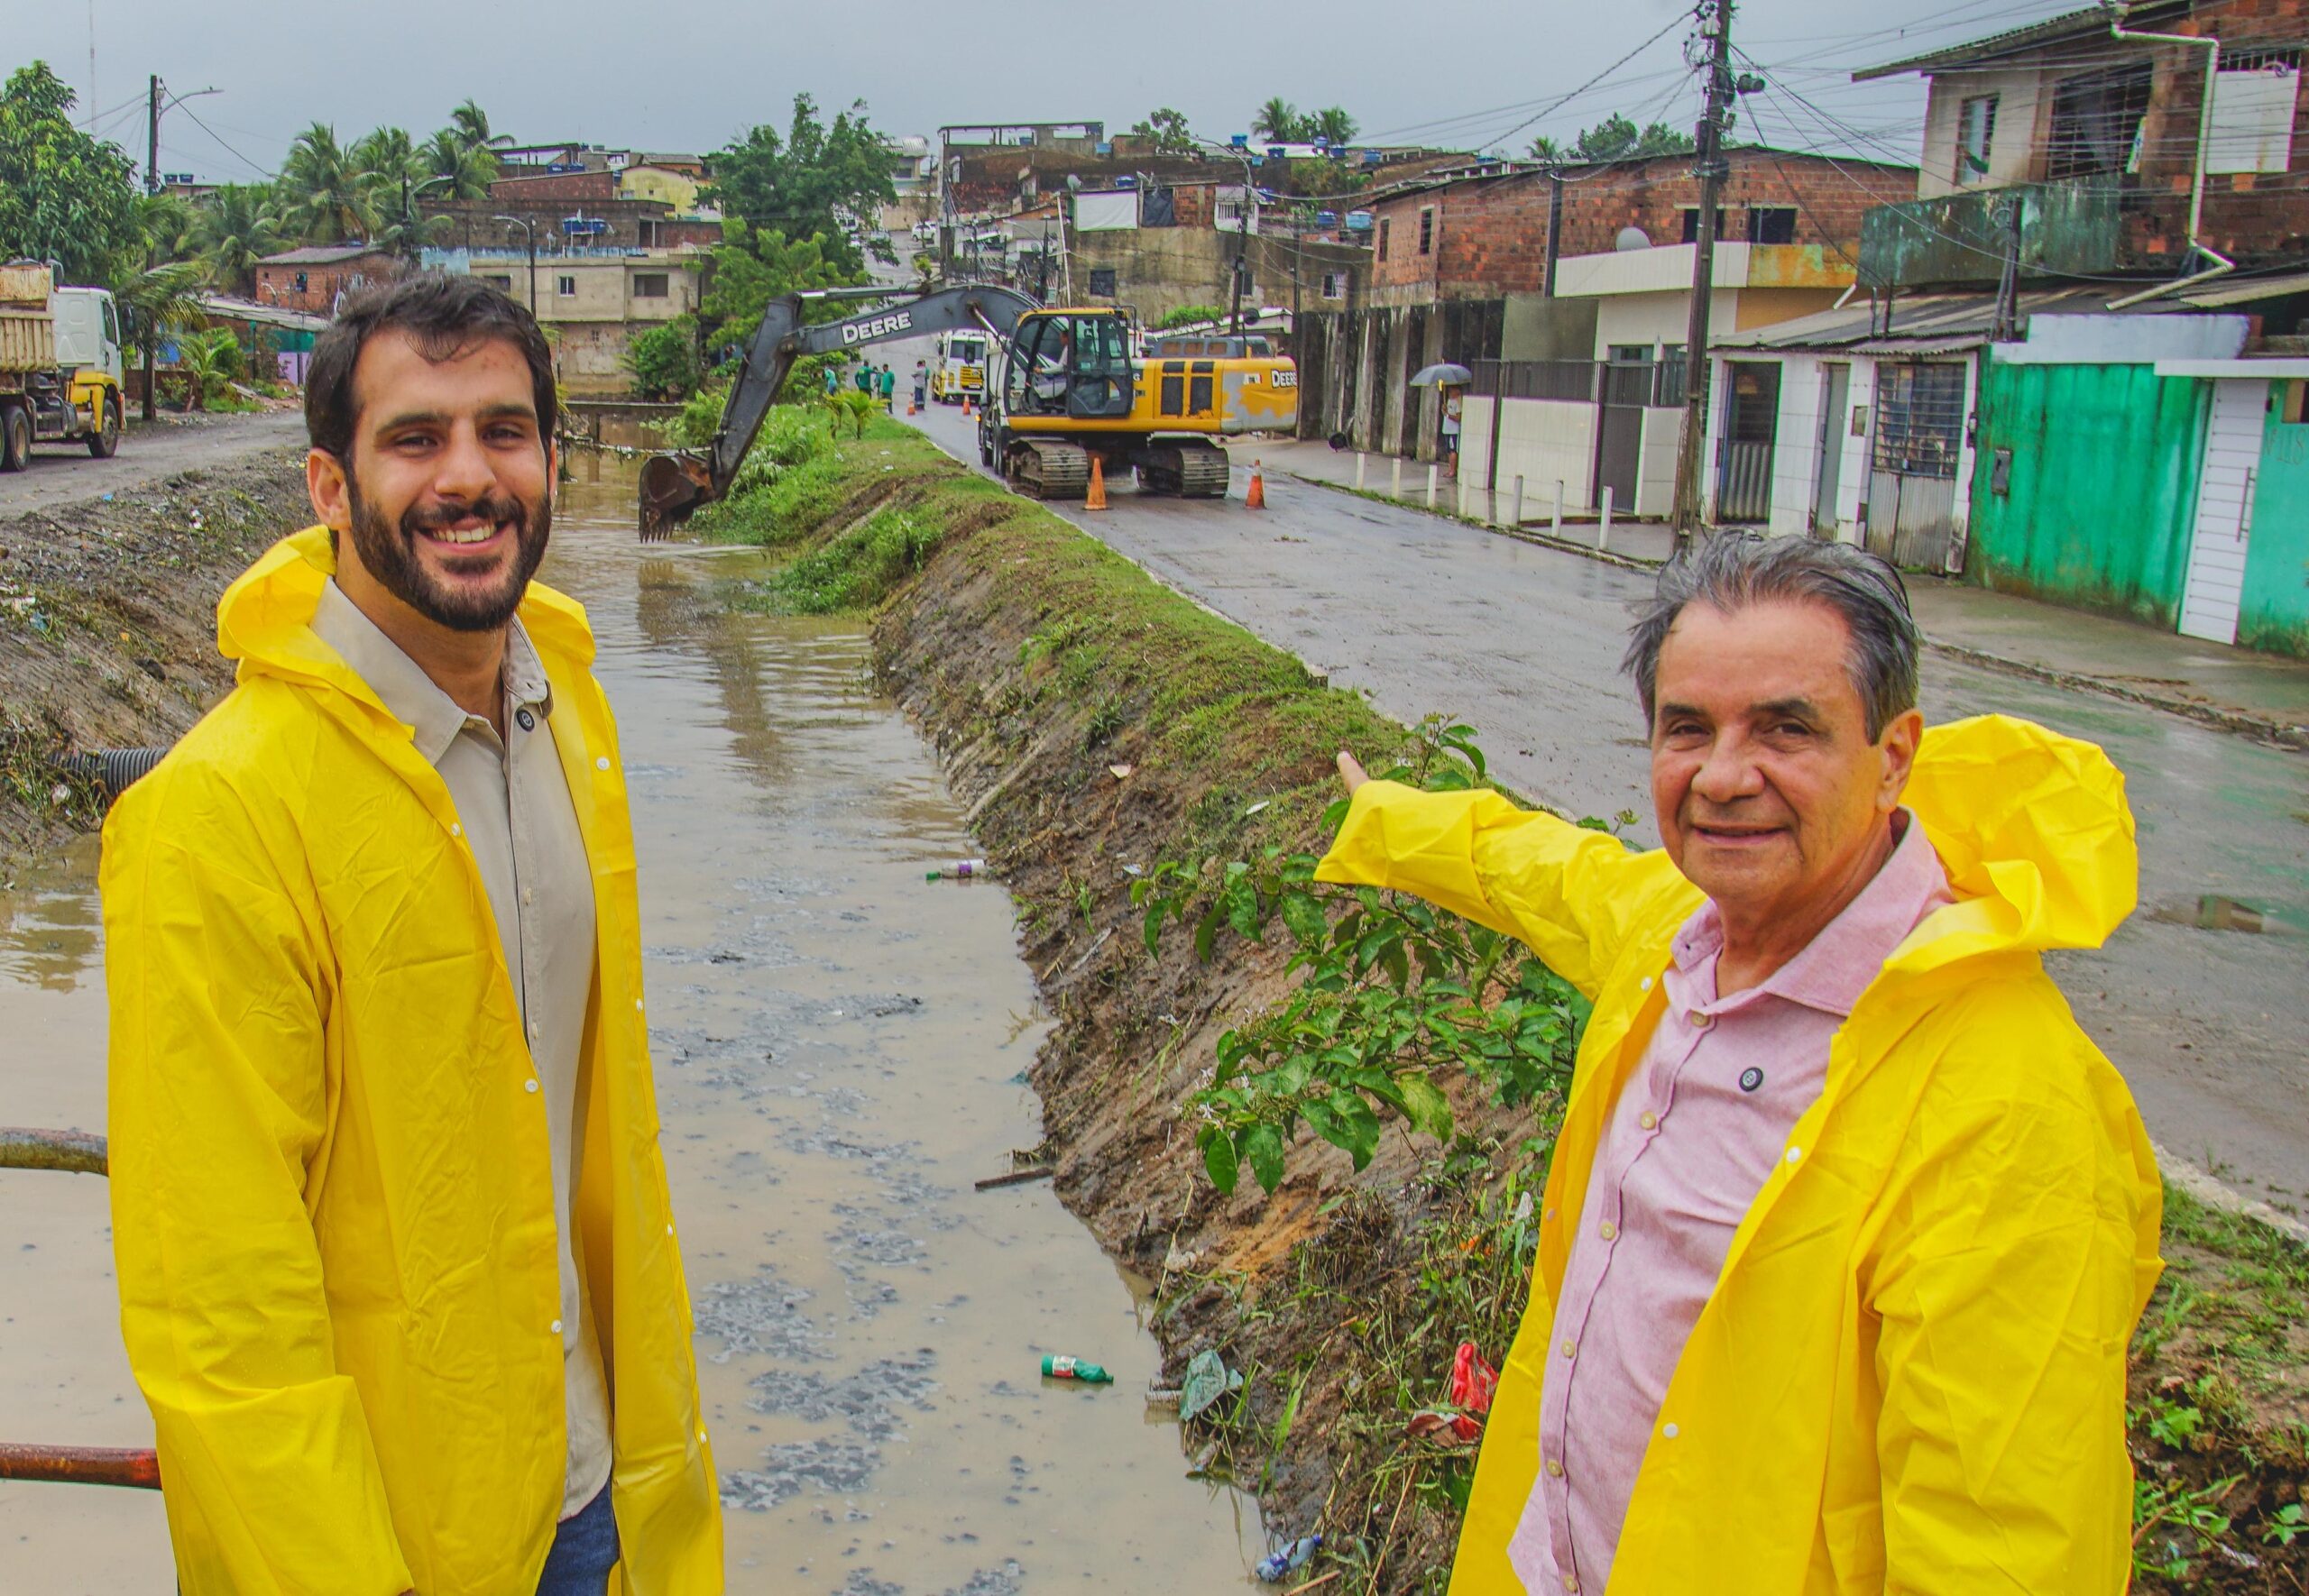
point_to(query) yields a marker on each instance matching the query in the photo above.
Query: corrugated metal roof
(321, 254)
(1952, 321)
(2233, 292)
(1952, 346)
(2052, 29)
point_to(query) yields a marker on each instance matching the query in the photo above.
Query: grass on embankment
(1097, 722)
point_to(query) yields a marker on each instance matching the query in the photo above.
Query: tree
(751, 266)
(1333, 125)
(664, 361)
(470, 124)
(324, 195)
(468, 169)
(385, 154)
(169, 226)
(820, 181)
(1165, 133)
(233, 232)
(1278, 122)
(63, 196)
(1615, 138)
(209, 362)
(162, 300)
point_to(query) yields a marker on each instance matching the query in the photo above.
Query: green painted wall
(2274, 611)
(2103, 486)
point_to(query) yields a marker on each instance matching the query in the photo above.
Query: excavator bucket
(672, 488)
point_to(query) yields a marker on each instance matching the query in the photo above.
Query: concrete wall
(1655, 471)
(1534, 327)
(1653, 319)
(1796, 444)
(1542, 441)
(2022, 103)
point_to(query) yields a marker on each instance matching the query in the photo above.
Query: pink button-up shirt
(1689, 1144)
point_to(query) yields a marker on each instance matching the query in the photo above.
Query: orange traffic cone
(967, 411)
(1257, 497)
(1096, 497)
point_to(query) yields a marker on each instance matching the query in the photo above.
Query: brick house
(313, 279)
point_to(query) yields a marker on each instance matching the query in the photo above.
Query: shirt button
(1571, 1583)
(556, 1327)
(529, 1086)
(528, 895)
(533, 1030)
(1570, 1348)
(1648, 1119)
(1555, 1468)
(1700, 1021)
(1608, 1230)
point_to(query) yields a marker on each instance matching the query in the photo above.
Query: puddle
(838, 1047)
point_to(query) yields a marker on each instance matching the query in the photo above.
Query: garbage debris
(1060, 1366)
(960, 870)
(1208, 1379)
(1472, 1380)
(1276, 1566)
(1445, 1428)
(1014, 1178)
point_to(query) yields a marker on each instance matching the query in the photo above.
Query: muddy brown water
(838, 1046)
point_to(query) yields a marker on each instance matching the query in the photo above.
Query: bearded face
(463, 564)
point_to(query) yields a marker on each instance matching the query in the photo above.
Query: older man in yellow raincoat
(1848, 1225)
(398, 1270)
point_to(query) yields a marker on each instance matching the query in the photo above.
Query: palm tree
(471, 124)
(387, 154)
(1333, 125)
(237, 231)
(209, 361)
(324, 195)
(470, 169)
(162, 299)
(1277, 122)
(168, 226)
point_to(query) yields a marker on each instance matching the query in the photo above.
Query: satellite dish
(1073, 184)
(1632, 238)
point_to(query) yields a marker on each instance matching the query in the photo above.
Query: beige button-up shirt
(513, 805)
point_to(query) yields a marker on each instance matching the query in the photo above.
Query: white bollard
(1430, 487)
(1604, 526)
(1395, 477)
(1361, 460)
(1463, 498)
(1555, 525)
(1517, 513)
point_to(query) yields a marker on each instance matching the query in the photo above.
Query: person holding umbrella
(1452, 380)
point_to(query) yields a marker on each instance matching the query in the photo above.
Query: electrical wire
(228, 149)
(1674, 22)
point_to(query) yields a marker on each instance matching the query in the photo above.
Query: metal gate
(1750, 425)
(1622, 389)
(1912, 465)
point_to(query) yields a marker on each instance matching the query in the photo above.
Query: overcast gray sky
(691, 75)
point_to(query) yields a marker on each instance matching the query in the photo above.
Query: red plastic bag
(1472, 1380)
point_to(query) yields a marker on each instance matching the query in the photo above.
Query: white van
(960, 370)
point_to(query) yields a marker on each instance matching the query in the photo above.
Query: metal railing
(1654, 384)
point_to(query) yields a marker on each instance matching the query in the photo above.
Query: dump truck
(60, 365)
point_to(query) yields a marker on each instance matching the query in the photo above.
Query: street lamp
(1242, 233)
(530, 229)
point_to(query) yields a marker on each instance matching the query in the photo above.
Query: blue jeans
(585, 1550)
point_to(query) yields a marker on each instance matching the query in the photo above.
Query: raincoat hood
(2034, 832)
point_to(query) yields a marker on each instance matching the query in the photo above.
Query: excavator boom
(674, 485)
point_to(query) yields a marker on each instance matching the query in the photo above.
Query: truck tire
(15, 437)
(104, 442)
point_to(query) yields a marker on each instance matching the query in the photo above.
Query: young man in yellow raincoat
(398, 1269)
(1848, 1223)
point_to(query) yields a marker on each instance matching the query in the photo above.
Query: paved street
(1422, 613)
(61, 472)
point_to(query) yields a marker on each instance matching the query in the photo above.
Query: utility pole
(152, 187)
(2007, 325)
(1709, 167)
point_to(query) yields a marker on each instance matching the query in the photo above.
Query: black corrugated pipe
(114, 770)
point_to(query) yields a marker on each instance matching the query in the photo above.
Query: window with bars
(1691, 224)
(2096, 116)
(1975, 133)
(1919, 418)
(1772, 223)
(1387, 225)
(1426, 231)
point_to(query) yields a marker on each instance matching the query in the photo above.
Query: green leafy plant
(2192, 1512)
(2288, 1524)
(1394, 997)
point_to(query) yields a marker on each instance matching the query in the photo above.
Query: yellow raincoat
(332, 1205)
(1910, 1376)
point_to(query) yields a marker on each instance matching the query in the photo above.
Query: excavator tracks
(1189, 471)
(1050, 470)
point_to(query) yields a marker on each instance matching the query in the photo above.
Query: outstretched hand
(1351, 772)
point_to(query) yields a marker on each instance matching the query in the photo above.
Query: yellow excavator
(1064, 386)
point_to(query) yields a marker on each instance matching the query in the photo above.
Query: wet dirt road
(59, 472)
(1427, 614)
(838, 1046)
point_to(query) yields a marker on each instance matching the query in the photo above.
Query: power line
(1677, 21)
(228, 149)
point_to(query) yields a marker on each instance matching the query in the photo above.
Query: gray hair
(1729, 571)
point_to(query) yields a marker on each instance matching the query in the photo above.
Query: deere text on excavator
(1064, 386)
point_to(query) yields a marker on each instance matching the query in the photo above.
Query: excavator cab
(1074, 363)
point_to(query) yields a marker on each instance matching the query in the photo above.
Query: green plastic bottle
(1059, 1366)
